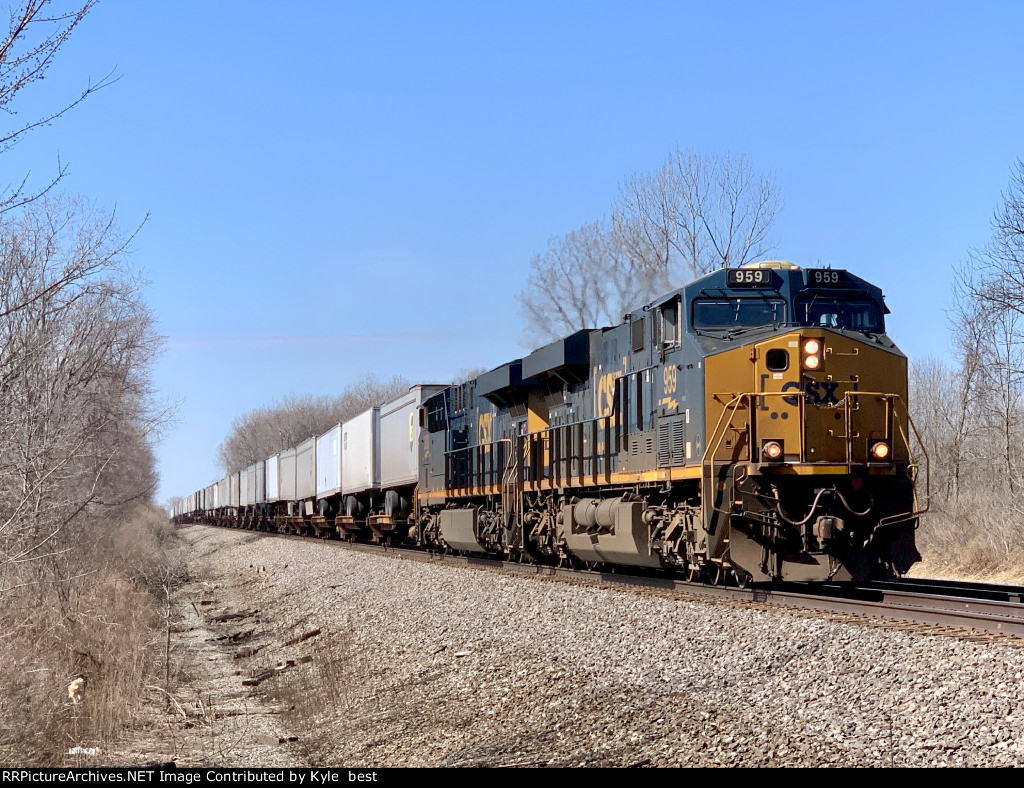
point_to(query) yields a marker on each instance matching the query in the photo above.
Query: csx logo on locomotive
(815, 392)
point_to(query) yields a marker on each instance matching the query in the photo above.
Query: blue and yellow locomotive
(749, 426)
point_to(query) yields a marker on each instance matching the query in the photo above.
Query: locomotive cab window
(777, 360)
(857, 314)
(738, 312)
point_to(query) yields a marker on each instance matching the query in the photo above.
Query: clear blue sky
(336, 188)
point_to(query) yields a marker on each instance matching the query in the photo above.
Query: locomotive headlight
(812, 354)
(771, 451)
(879, 450)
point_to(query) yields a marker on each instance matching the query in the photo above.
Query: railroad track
(959, 588)
(960, 609)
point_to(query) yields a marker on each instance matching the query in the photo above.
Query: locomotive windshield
(738, 312)
(858, 314)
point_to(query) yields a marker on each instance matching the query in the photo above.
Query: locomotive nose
(826, 398)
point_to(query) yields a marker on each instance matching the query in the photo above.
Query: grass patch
(104, 621)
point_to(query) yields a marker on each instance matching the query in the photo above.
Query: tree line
(83, 574)
(264, 431)
(77, 415)
(968, 405)
(83, 556)
(267, 430)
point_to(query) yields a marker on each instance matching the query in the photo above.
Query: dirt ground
(214, 714)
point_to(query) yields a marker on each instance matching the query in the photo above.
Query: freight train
(751, 426)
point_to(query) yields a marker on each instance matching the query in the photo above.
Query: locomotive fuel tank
(608, 531)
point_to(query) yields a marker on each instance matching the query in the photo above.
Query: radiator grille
(671, 443)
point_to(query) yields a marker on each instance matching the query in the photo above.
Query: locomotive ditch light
(879, 450)
(812, 354)
(772, 451)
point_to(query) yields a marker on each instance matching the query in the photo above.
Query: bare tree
(172, 502)
(76, 412)
(693, 214)
(36, 31)
(1003, 378)
(990, 304)
(262, 432)
(696, 213)
(468, 373)
(994, 274)
(585, 279)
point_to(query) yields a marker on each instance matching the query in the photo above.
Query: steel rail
(963, 588)
(943, 606)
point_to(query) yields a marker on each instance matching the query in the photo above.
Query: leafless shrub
(974, 538)
(76, 423)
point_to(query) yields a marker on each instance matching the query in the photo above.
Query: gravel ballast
(352, 659)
